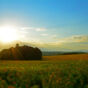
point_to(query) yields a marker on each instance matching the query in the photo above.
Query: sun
(8, 34)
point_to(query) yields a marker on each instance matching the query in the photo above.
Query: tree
(21, 53)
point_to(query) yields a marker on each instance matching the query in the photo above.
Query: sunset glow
(48, 24)
(8, 34)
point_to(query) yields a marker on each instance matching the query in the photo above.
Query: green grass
(44, 74)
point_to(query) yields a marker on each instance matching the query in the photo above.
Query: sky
(49, 24)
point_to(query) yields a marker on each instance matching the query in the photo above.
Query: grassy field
(67, 57)
(69, 71)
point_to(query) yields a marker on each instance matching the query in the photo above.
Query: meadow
(65, 71)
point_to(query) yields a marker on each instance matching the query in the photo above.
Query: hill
(52, 53)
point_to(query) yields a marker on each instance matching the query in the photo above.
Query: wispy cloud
(75, 38)
(33, 28)
(80, 38)
(54, 37)
(44, 34)
(76, 42)
(31, 33)
(40, 29)
(26, 28)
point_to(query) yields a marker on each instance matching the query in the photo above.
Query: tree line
(21, 53)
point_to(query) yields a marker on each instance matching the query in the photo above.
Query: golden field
(67, 57)
(62, 71)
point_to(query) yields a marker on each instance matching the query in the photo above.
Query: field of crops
(44, 74)
(67, 57)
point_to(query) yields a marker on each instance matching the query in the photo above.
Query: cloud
(44, 34)
(76, 38)
(80, 38)
(26, 28)
(33, 28)
(76, 42)
(40, 29)
(54, 37)
(28, 32)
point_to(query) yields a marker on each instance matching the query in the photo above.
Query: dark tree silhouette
(21, 53)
